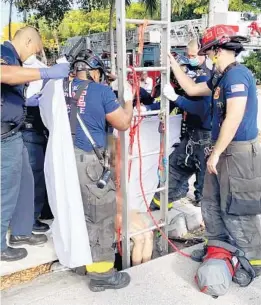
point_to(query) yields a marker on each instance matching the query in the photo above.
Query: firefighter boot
(257, 270)
(244, 277)
(155, 204)
(108, 280)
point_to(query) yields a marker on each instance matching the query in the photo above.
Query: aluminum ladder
(165, 24)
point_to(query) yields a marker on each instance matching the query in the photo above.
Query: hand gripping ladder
(164, 23)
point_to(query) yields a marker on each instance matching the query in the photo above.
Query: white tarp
(36, 86)
(70, 236)
(150, 142)
(69, 230)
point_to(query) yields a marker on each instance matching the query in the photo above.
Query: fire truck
(246, 24)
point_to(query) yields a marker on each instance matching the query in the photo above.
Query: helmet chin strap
(88, 75)
(215, 58)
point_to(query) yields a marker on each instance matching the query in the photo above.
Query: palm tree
(10, 20)
(12, 3)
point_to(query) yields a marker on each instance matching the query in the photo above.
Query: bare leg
(148, 247)
(137, 251)
(136, 225)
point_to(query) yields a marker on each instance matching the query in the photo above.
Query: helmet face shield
(80, 66)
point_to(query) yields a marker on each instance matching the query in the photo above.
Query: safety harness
(71, 101)
(189, 159)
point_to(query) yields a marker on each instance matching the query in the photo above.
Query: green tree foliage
(253, 62)
(49, 13)
(51, 10)
(81, 22)
(13, 27)
(89, 5)
(193, 9)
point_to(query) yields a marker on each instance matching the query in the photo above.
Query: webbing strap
(74, 99)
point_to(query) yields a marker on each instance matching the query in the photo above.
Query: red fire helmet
(221, 35)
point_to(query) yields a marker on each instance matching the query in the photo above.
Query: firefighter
(232, 189)
(197, 63)
(190, 121)
(35, 136)
(17, 190)
(96, 105)
(188, 157)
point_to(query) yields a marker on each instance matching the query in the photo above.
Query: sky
(5, 15)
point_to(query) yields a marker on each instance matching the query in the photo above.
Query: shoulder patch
(217, 93)
(238, 88)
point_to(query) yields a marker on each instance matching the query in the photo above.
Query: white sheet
(150, 141)
(70, 236)
(69, 230)
(34, 87)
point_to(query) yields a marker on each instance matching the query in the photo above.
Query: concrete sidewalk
(167, 280)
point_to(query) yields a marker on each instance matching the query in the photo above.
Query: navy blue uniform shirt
(94, 104)
(200, 108)
(12, 97)
(237, 82)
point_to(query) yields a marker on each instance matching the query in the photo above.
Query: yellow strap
(174, 111)
(100, 267)
(157, 203)
(255, 262)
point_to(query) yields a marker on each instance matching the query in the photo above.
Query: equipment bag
(215, 274)
(223, 264)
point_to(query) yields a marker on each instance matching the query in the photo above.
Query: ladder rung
(160, 189)
(148, 69)
(162, 224)
(145, 155)
(141, 21)
(145, 113)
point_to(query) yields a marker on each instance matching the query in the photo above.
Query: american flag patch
(238, 88)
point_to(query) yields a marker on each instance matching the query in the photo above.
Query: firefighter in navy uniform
(197, 64)
(96, 105)
(232, 189)
(17, 189)
(35, 137)
(188, 158)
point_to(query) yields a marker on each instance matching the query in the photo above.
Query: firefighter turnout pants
(99, 209)
(231, 204)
